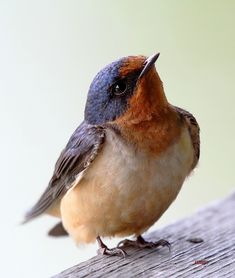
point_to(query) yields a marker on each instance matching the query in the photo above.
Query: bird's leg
(104, 250)
(141, 243)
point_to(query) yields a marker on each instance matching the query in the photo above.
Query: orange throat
(150, 122)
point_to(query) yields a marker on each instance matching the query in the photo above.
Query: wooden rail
(203, 245)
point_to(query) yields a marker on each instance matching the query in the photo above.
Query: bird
(125, 163)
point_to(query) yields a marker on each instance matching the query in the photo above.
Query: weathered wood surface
(214, 257)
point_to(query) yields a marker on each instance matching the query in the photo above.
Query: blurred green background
(49, 53)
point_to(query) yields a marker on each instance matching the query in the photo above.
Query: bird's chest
(131, 178)
(122, 165)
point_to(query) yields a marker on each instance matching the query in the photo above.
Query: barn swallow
(126, 162)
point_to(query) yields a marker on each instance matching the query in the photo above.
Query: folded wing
(78, 154)
(194, 131)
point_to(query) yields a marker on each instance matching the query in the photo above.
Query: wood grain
(213, 256)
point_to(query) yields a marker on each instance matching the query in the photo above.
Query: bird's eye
(119, 88)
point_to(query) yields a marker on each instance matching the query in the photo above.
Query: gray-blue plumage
(103, 104)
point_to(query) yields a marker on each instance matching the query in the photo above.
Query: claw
(112, 252)
(104, 250)
(163, 243)
(126, 243)
(141, 243)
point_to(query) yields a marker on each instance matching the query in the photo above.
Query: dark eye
(119, 87)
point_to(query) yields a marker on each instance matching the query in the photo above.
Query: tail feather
(58, 230)
(38, 209)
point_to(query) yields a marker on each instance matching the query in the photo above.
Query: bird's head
(128, 89)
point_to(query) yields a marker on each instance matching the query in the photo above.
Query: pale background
(49, 53)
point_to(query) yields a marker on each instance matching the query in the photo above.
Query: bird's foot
(104, 250)
(112, 252)
(141, 243)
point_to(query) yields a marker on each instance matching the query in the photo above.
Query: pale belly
(125, 191)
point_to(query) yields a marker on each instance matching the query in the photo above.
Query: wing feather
(81, 150)
(194, 131)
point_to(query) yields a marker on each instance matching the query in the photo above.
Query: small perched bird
(126, 162)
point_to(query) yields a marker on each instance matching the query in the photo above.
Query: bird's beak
(148, 64)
